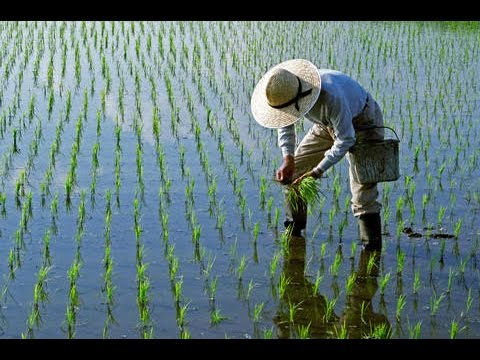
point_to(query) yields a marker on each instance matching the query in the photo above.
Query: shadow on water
(303, 311)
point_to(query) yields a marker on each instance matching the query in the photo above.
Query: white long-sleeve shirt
(341, 99)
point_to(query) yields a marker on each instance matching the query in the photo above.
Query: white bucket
(373, 161)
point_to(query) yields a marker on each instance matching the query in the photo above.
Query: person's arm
(286, 142)
(341, 120)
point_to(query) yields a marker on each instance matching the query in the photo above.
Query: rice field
(137, 193)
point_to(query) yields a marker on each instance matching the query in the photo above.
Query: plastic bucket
(373, 161)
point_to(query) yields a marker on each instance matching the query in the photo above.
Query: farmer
(339, 107)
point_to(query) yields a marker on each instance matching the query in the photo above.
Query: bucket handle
(369, 127)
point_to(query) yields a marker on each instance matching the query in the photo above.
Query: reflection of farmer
(337, 105)
(310, 306)
(358, 315)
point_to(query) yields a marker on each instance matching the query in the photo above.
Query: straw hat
(285, 93)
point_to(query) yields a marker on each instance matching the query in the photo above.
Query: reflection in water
(303, 312)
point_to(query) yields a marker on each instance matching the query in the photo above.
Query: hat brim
(270, 117)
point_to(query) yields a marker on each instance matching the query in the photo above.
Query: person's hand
(286, 170)
(311, 173)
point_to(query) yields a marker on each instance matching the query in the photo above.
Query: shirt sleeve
(286, 140)
(341, 120)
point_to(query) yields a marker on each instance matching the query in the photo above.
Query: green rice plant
(306, 191)
(268, 333)
(450, 280)
(256, 229)
(3, 201)
(401, 302)
(371, 263)
(323, 250)
(292, 310)
(454, 329)
(383, 282)
(462, 266)
(221, 216)
(216, 317)
(250, 287)
(318, 281)
(330, 306)
(350, 282)
(213, 288)
(274, 264)
(441, 214)
(400, 260)
(435, 303)
(285, 240)
(46, 248)
(380, 331)
(337, 262)
(400, 204)
(416, 282)
(241, 267)
(51, 101)
(414, 331)
(283, 282)
(353, 250)
(343, 333)
(304, 331)
(257, 312)
(469, 301)
(458, 225)
(177, 290)
(276, 217)
(442, 251)
(182, 312)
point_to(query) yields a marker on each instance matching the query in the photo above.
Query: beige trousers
(319, 139)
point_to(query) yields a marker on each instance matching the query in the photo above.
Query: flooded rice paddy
(137, 197)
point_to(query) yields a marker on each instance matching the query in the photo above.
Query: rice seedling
(350, 282)
(435, 303)
(213, 288)
(256, 229)
(268, 333)
(400, 260)
(216, 317)
(304, 331)
(401, 302)
(450, 281)
(306, 191)
(330, 306)
(274, 264)
(441, 214)
(242, 265)
(337, 262)
(181, 313)
(380, 331)
(323, 250)
(257, 312)
(283, 282)
(458, 225)
(455, 330)
(292, 310)
(469, 302)
(383, 282)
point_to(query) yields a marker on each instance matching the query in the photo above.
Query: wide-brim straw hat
(275, 98)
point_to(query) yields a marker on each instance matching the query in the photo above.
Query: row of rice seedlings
(40, 295)
(143, 281)
(95, 159)
(19, 247)
(74, 272)
(108, 288)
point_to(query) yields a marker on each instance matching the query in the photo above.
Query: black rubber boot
(297, 219)
(370, 231)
